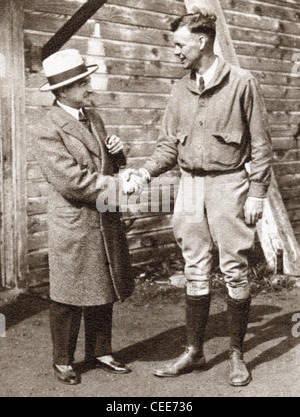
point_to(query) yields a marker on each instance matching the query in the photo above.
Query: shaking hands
(135, 180)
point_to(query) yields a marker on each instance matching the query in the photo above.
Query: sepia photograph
(150, 201)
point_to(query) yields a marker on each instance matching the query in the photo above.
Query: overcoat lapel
(74, 128)
(101, 137)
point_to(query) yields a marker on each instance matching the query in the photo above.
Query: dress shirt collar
(209, 74)
(73, 112)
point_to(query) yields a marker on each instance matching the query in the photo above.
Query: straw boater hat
(65, 67)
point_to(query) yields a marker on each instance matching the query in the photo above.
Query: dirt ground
(147, 332)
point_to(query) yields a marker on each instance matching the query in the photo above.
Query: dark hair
(59, 90)
(202, 22)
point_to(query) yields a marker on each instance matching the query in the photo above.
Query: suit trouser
(65, 324)
(208, 211)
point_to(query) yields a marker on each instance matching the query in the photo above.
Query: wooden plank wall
(266, 36)
(13, 234)
(131, 42)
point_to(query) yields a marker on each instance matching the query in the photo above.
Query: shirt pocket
(225, 148)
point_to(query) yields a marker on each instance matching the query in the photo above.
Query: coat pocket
(233, 137)
(225, 148)
(69, 214)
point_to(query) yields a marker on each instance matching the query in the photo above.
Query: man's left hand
(114, 144)
(253, 210)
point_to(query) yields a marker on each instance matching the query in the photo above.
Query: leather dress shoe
(67, 377)
(187, 362)
(110, 366)
(239, 374)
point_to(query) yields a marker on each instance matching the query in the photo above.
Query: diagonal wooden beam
(275, 232)
(71, 27)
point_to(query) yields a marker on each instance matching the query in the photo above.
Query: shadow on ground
(168, 345)
(23, 307)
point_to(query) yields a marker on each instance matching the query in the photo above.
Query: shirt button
(200, 123)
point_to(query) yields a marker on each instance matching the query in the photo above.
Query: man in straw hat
(214, 123)
(88, 253)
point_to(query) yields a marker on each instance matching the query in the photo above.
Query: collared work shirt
(208, 74)
(217, 130)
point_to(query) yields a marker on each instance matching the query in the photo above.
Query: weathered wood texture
(266, 37)
(13, 147)
(72, 26)
(131, 42)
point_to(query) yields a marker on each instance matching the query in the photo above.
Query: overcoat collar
(222, 71)
(75, 128)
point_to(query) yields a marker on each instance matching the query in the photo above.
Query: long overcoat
(88, 253)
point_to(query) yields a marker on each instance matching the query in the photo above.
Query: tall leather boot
(197, 311)
(238, 317)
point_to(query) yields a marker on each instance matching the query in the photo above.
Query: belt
(203, 173)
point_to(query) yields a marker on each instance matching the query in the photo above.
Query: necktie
(201, 84)
(84, 119)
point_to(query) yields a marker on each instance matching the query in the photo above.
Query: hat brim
(48, 87)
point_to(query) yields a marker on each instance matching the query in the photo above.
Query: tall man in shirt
(88, 254)
(214, 123)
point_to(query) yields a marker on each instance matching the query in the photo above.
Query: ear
(202, 41)
(62, 92)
